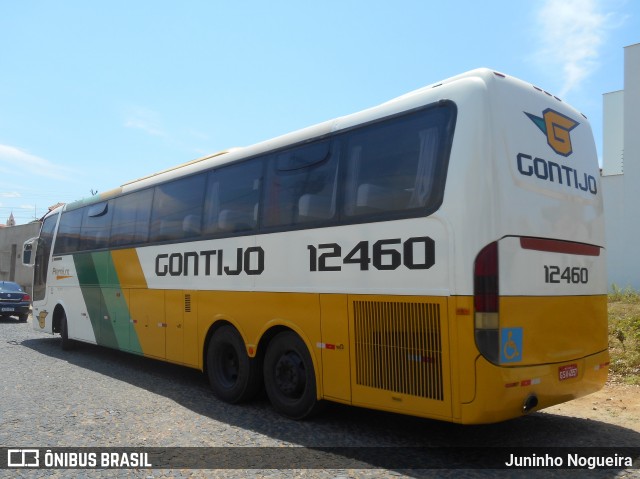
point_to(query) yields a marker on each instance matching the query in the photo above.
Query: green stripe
(106, 304)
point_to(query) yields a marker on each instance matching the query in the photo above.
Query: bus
(440, 255)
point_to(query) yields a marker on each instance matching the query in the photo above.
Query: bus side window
(131, 215)
(390, 167)
(301, 186)
(68, 238)
(177, 209)
(232, 200)
(96, 225)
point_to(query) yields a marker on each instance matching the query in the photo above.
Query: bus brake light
(485, 298)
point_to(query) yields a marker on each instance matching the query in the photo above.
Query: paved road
(95, 397)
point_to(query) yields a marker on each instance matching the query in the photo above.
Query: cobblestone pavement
(95, 397)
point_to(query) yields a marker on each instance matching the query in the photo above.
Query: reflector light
(558, 246)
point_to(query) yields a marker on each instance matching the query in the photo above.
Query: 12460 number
(384, 255)
(569, 275)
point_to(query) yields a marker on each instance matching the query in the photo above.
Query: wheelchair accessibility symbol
(511, 345)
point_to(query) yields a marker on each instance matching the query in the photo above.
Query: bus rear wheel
(233, 375)
(289, 377)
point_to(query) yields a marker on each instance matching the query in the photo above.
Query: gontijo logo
(557, 128)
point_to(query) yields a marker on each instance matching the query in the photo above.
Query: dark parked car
(14, 301)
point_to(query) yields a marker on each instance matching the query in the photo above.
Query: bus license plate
(568, 372)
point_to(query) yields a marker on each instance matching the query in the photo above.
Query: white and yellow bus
(439, 255)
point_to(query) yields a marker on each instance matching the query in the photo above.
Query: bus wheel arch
(233, 375)
(56, 320)
(289, 373)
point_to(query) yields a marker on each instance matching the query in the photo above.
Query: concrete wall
(613, 133)
(11, 240)
(616, 232)
(621, 179)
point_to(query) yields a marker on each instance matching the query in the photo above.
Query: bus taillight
(486, 294)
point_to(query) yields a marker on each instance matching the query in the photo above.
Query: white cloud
(17, 160)
(10, 194)
(571, 35)
(139, 118)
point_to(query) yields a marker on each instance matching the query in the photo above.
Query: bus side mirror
(27, 252)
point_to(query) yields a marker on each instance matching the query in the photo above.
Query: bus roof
(413, 99)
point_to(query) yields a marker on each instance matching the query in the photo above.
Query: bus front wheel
(289, 376)
(233, 375)
(65, 342)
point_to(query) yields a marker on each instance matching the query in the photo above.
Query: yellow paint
(174, 319)
(557, 331)
(148, 313)
(494, 401)
(557, 328)
(335, 347)
(127, 264)
(463, 352)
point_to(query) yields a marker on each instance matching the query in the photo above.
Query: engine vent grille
(398, 347)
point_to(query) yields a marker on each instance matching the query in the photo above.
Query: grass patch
(624, 335)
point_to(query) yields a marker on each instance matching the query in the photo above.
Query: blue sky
(96, 93)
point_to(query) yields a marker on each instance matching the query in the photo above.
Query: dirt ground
(616, 403)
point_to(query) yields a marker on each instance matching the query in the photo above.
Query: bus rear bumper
(508, 392)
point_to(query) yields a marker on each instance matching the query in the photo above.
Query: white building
(621, 175)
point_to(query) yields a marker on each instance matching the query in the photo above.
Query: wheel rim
(290, 377)
(229, 366)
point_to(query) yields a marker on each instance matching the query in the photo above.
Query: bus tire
(65, 342)
(234, 376)
(289, 377)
